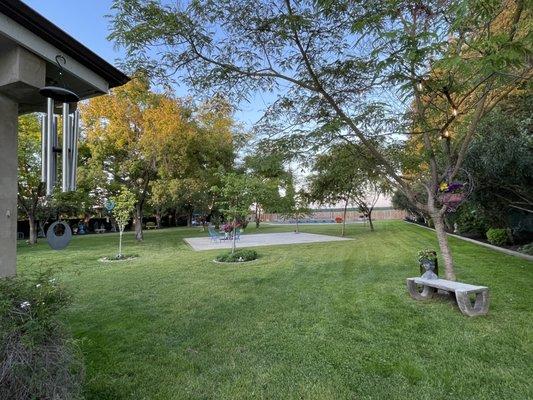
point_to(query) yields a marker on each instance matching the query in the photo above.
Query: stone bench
(462, 293)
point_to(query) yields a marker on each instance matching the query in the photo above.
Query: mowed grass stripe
(312, 321)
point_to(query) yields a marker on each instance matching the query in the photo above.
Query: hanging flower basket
(452, 195)
(452, 199)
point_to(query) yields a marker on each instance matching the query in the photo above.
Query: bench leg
(480, 306)
(427, 292)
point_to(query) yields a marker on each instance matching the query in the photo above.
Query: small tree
(124, 204)
(296, 205)
(266, 166)
(237, 195)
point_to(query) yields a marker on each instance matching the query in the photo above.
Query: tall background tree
(344, 175)
(133, 134)
(30, 188)
(270, 176)
(345, 68)
(295, 203)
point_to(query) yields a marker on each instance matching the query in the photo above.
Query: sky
(85, 21)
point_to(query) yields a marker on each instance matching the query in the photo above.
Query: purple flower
(454, 186)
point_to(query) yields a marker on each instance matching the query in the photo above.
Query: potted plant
(427, 260)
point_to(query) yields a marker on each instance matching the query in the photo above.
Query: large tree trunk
(158, 220)
(257, 218)
(344, 218)
(33, 228)
(189, 219)
(138, 221)
(369, 215)
(442, 237)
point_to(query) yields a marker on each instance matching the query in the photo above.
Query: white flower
(25, 304)
(38, 285)
(53, 280)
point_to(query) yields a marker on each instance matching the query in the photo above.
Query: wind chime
(62, 101)
(65, 101)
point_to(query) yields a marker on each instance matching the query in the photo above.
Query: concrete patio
(261, 239)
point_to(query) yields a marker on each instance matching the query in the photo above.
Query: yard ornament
(65, 101)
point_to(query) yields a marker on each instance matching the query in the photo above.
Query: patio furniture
(102, 228)
(214, 235)
(151, 225)
(462, 293)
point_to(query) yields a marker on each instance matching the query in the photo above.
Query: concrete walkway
(261, 239)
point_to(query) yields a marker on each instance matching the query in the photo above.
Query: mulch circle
(112, 260)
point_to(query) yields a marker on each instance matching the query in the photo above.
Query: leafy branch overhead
(384, 75)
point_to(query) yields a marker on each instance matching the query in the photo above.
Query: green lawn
(316, 321)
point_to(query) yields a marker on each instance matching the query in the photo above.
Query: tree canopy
(348, 71)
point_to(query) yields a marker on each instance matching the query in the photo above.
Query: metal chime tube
(55, 137)
(64, 153)
(70, 149)
(43, 148)
(75, 136)
(50, 156)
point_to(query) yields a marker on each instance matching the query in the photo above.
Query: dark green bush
(497, 237)
(38, 359)
(240, 255)
(527, 249)
(470, 221)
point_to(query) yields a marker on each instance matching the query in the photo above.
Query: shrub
(527, 249)
(470, 221)
(240, 255)
(338, 220)
(38, 360)
(119, 257)
(497, 237)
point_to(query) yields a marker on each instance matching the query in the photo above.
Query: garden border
(490, 246)
(235, 262)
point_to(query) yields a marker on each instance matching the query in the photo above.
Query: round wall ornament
(59, 235)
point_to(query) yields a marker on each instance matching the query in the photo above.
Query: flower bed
(118, 257)
(38, 358)
(241, 255)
